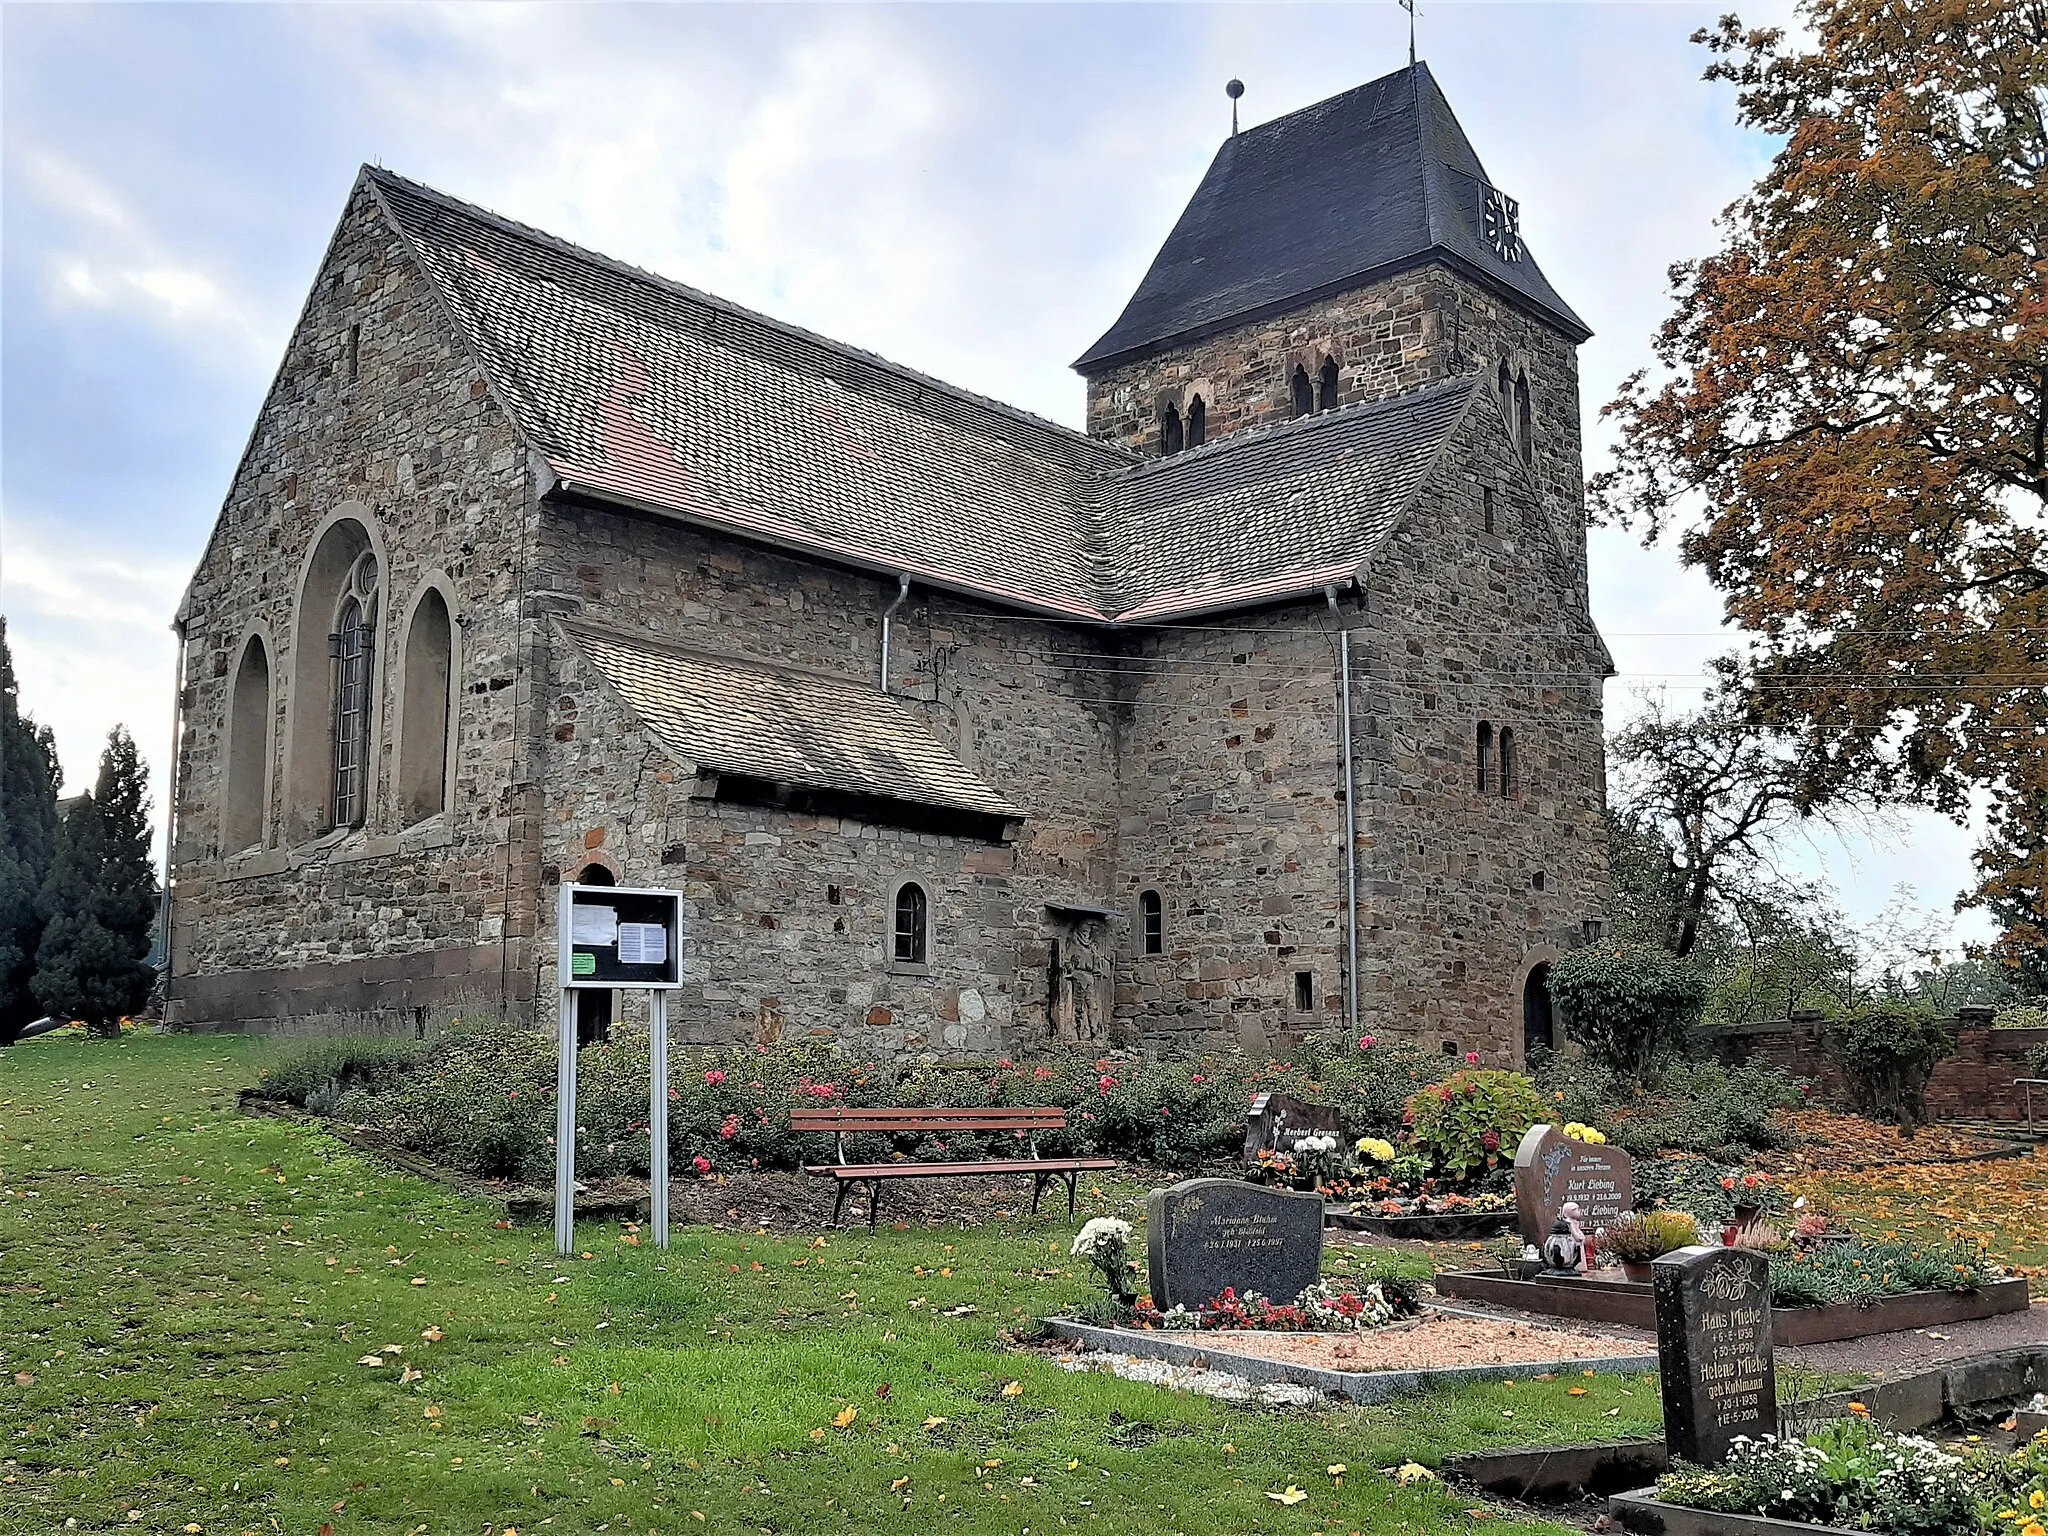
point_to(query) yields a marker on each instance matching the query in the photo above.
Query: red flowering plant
(1463, 1123)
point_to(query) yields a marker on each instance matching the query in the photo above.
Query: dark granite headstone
(1551, 1170)
(1714, 1350)
(1205, 1236)
(1277, 1121)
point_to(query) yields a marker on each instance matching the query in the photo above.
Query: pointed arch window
(351, 647)
(1483, 761)
(1507, 397)
(1152, 923)
(1304, 392)
(1508, 786)
(913, 922)
(1198, 422)
(1326, 392)
(1169, 431)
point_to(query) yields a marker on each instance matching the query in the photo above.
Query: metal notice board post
(607, 938)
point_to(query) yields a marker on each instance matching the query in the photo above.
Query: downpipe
(888, 616)
(1350, 816)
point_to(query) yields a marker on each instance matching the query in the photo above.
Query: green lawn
(187, 1297)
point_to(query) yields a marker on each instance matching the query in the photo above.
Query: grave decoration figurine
(1564, 1252)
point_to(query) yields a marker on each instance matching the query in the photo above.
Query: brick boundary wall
(1975, 1082)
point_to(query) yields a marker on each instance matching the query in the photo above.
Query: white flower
(1099, 1234)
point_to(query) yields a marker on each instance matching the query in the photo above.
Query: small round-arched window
(1151, 923)
(913, 922)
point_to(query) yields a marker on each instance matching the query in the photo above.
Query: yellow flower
(2036, 1499)
(2033, 1528)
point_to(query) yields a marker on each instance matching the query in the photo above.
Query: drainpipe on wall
(171, 801)
(889, 613)
(1350, 818)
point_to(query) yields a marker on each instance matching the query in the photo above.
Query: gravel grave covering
(1441, 1339)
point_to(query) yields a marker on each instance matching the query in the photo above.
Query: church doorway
(1538, 1015)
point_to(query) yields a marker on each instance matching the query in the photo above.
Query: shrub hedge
(1629, 1006)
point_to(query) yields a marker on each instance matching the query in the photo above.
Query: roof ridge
(1066, 435)
(1253, 436)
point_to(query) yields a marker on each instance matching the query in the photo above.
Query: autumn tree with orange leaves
(1852, 439)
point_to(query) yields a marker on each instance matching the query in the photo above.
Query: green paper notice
(581, 964)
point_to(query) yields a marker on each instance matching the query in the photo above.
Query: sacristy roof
(648, 393)
(786, 726)
(1307, 205)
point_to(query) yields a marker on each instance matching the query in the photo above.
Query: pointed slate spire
(1353, 188)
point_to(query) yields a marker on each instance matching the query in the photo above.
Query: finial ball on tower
(1234, 89)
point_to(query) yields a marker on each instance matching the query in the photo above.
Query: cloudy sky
(970, 189)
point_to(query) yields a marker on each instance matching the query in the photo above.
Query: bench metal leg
(839, 1201)
(874, 1199)
(1038, 1183)
(1072, 1180)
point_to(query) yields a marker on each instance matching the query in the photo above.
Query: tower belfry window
(1304, 392)
(1525, 436)
(1483, 764)
(1326, 395)
(1198, 422)
(1169, 432)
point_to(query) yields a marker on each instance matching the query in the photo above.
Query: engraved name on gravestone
(1206, 1236)
(1551, 1170)
(1714, 1350)
(1276, 1122)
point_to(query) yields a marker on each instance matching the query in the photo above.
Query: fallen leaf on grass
(1013, 1389)
(845, 1416)
(28, 1378)
(1289, 1495)
(432, 1335)
(934, 1421)
(369, 1360)
(1413, 1472)
(1574, 1391)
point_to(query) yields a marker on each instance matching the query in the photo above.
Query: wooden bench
(1026, 1122)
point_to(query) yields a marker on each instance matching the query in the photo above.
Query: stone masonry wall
(384, 922)
(771, 950)
(1232, 813)
(1403, 332)
(1466, 890)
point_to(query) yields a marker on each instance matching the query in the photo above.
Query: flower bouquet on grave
(1317, 1158)
(1105, 1242)
(1272, 1166)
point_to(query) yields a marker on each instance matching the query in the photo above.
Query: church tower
(1349, 251)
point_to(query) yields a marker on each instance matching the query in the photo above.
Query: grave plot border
(1631, 1303)
(1646, 1515)
(1204, 1351)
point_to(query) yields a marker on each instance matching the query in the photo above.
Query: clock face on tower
(1500, 221)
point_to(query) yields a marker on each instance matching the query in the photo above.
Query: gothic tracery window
(352, 646)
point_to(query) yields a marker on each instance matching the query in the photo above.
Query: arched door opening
(1539, 1016)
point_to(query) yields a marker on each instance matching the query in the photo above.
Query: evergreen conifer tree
(100, 899)
(28, 843)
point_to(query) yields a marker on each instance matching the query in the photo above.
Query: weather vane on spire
(1409, 7)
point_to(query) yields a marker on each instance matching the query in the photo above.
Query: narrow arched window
(1483, 778)
(248, 751)
(1525, 435)
(353, 647)
(1304, 392)
(1326, 394)
(913, 918)
(1507, 760)
(424, 714)
(1198, 422)
(1507, 397)
(1169, 432)
(1152, 923)
(1486, 506)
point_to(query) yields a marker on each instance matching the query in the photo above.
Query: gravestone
(1714, 1350)
(1205, 1236)
(1552, 1170)
(1277, 1121)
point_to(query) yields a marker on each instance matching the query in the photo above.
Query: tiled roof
(643, 391)
(785, 726)
(1311, 203)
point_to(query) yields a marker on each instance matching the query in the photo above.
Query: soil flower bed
(1434, 1341)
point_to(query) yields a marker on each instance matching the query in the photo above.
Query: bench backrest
(1026, 1118)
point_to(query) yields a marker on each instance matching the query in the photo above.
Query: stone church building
(960, 731)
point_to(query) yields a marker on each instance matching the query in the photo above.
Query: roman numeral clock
(1500, 221)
